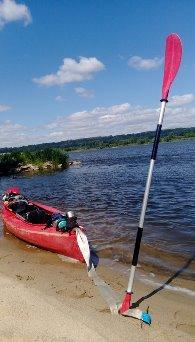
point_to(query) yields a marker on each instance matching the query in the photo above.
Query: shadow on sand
(175, 275)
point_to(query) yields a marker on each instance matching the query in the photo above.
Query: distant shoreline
(132, 144)
(56, 159)
(48, 166)
(167, 135)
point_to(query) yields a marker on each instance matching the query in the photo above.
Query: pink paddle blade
(173, 54)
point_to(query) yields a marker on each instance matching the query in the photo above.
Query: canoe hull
(49, 239)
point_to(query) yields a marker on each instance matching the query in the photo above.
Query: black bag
(37, 216)
(18, 206)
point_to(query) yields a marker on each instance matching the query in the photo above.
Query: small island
(49, 159)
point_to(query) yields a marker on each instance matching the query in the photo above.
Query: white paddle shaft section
(162, 112)
(131, 279)
(146, 193)
(145, 200)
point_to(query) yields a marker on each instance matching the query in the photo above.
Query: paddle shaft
(145, 199)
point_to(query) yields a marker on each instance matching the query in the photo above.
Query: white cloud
(57, 134)
(4, 108)
(100, 121)
(179, 100)
(8, 126)
(101, 112)
(11, 11)
(83, 92)
(72, 71)
(179, 117)
(140, 63)
(60, 98)
(14, 134)
(119, 119)
(11, 133)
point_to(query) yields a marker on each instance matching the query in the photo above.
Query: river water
(106, 192)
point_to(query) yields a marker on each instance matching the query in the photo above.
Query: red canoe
(49, 239)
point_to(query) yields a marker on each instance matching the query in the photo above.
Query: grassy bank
(49, 158)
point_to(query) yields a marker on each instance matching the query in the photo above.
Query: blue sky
(72, 69)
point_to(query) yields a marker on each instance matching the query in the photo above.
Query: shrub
(10, 161)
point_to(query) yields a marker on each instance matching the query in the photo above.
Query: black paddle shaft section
(137, 246)
(156, 142)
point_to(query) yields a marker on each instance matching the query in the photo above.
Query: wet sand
(43, 298)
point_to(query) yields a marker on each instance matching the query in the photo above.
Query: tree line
(56, 153)
(109, 141)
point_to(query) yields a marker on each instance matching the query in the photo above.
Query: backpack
(59, 222)
(63, 223)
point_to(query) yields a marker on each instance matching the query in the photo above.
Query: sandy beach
(44, 298)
